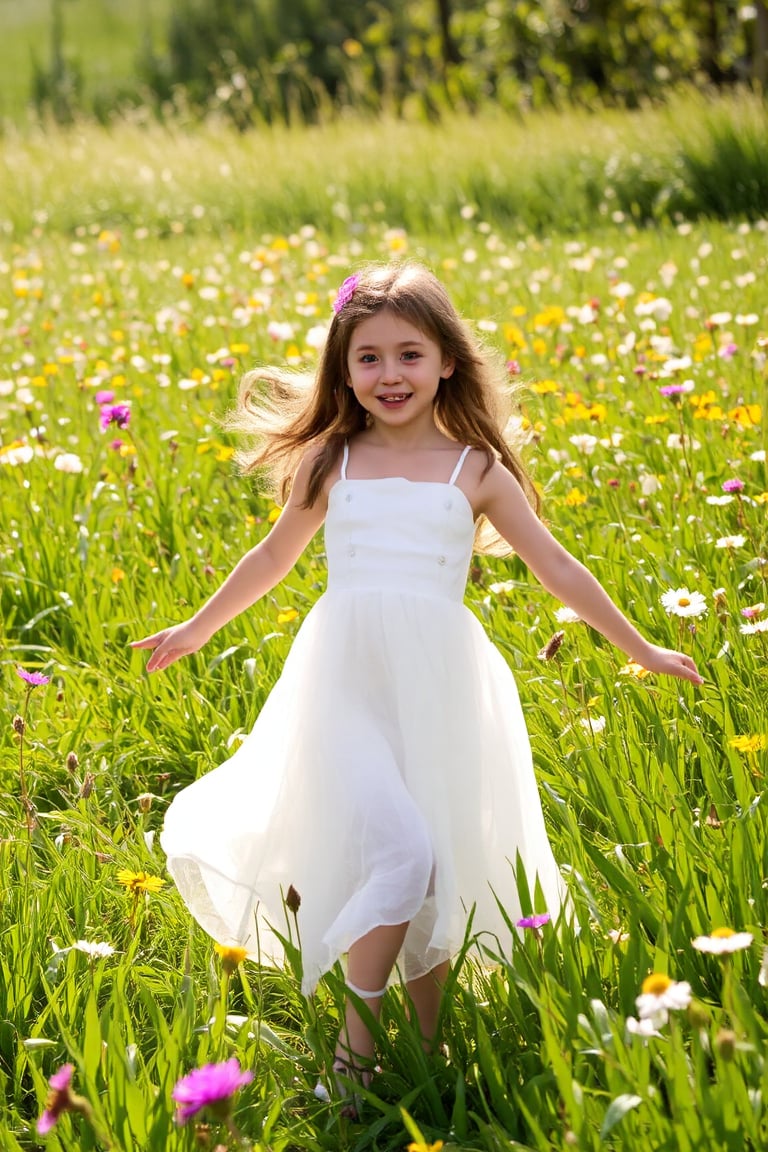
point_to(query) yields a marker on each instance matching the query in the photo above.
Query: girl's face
(394, 370)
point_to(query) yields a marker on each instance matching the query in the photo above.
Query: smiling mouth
(395, 398)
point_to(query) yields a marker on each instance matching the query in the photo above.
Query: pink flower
(734, 485)
(535, 921)
(59, 1098)
(513, 367)
(752, 611)
(211, 1086)
(106, 396)
(33, 678)
(119, 414)
(670, 390)
(345, 292)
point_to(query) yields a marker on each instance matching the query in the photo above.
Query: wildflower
(567, 615)
(659, 995)
(96, 949)
(422, 1146)
(231, 956)
(106, 396)
(757, 626)
(61, 1099)
(139, 881)
(513, 367)
(737, 541)
(68, 462)
(574, 498)
(644, 1027)
(286, 616)
(723, 941)
(753, 610)
(748, 743)
(34, 679)
(734, 485)
(649, 484)
(632, 668)
(119, 414)
(584, 442)
(681, 602)
(535, 921)
(552, 646)
(593, 724)
(211, 1086)
(670, 391)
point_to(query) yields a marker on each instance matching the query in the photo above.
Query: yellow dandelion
(139, 881)
(231, 956)
(574, 498)
(749, 743)
(117, 575)
(274, 514)
(286, 616)
(422, 1146)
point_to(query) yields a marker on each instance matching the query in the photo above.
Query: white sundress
(388, 777)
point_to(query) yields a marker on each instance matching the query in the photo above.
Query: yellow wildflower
(139, 881)
(231, 956)
(632, 668)
(286, 616)
(749, 743)
(574, 498)
(422, 1146)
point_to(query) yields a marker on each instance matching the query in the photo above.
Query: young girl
(388, 778)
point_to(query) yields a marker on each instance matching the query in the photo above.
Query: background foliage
(257, 61)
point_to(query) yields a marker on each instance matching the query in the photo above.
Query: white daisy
(681, 602)
(567, 616)
(660, 995)
(96, 949)
(754, 626)
(723, 941)
(737, 541)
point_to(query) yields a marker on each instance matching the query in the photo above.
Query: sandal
(345, 1073)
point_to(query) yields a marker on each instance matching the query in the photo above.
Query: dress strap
(344, 460)
(459, 464)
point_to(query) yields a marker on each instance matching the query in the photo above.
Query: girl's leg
(370, 962)
(426, 993)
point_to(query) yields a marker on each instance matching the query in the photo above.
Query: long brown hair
(287, 413)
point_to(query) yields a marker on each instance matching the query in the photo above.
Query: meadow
(143, 272)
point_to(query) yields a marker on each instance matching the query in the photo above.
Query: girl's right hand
(172, 643)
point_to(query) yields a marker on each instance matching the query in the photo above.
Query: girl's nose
(391, 371)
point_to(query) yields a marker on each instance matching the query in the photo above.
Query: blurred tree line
(257, 61)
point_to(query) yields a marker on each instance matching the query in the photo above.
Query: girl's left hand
(670, 663)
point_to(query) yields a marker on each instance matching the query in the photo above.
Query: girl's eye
(410, 355)
(367, 358)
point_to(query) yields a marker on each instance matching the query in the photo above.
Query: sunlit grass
(653, 791)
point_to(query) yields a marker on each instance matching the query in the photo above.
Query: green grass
(547, 172)
(658, 819)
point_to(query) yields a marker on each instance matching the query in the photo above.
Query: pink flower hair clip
(346, 292)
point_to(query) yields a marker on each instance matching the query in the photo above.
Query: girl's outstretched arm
(502, 500)
(259, 570)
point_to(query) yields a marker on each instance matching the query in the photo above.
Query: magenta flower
(119, 414)
(211, 1086)
(345, 292)
(32, 678)
(534, 921)
(513, 367)
(59, 1098)
(669, 390)
(734, 485)
(106, 396)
